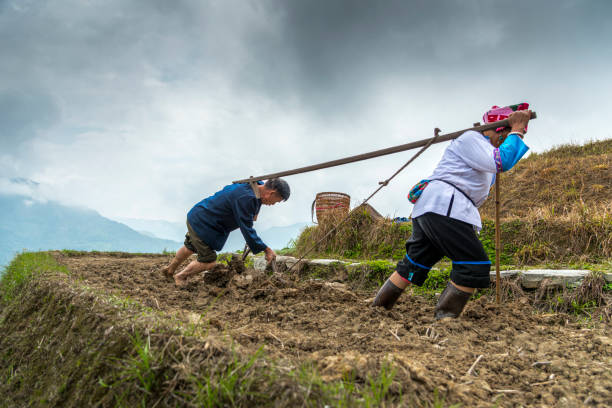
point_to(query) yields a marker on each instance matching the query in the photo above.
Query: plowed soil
(509, 355)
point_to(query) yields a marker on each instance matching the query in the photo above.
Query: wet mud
(508, 355)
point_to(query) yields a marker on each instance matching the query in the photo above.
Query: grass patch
(111, 254)
(375, 391)
(435, 282)
(525, 241)
(23, 267)
(370, 274)
(143, 365)
(233, 385)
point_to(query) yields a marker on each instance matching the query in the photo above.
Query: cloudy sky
(142, 108)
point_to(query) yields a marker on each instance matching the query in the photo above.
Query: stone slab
(325, 262)
(259, 262)
(531, 278)
(504, 274)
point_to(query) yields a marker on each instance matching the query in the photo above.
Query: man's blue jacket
(215, 217)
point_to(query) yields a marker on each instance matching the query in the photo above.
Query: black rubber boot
(387, 295)
(451, 302)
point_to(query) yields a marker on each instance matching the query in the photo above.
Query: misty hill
(27, 224)
(174, 231)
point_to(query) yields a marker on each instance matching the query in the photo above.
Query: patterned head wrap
(496, 113)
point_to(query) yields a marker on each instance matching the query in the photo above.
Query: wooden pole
(381, 152)
(497, 239)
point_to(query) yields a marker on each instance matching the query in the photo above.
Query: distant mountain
(32, 225)
(280, 237)
(157, 228)
(275, 237)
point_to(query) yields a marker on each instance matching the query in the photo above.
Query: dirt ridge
(527, 359)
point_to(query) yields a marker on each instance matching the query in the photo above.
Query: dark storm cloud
(332, 54)
(332, 37)
(107, 43)
(328, 57)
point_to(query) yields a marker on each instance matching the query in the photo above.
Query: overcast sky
(142, 108)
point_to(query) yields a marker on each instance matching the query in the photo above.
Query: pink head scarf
(496, 113)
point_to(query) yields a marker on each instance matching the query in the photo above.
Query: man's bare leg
(179, 258)
(194, 267)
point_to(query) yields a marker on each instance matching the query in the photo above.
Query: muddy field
(509, 355)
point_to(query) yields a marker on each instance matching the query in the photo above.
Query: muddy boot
(451, 302)
(387, 295)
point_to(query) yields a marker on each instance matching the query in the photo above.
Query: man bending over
(211, 220)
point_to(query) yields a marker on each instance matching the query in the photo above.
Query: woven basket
(328, 203)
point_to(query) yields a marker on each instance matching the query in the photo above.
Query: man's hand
(518, 120)
(270, 255)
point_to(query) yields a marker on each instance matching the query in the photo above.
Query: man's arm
(244, 211)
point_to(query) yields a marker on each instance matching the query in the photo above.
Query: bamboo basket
(328, 203)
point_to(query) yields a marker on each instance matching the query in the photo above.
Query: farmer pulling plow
(445, 217)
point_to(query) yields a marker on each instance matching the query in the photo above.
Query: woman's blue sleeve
(511, 151)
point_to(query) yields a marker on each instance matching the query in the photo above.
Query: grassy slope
(557, 208)
(570, 182)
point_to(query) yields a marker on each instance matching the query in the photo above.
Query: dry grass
(563, 199)
(569, 182)
(510, 289)
(528, 241)
(360, 236)
(557, 207)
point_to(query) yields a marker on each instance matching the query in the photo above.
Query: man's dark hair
(280, 186)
